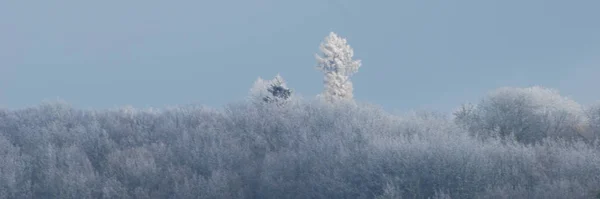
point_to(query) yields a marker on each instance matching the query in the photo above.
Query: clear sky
(416, 54)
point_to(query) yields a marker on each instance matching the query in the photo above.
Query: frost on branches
(337, 64)
(271, 91)
(529, 114)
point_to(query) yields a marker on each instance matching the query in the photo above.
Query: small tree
(271, 91)
(337, 64)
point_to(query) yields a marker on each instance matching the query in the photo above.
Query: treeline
(515, 143)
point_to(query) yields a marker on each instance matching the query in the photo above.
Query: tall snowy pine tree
(337, 64)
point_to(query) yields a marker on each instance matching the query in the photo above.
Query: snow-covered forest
(512, 143)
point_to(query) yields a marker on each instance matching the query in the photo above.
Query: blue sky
(416, 54)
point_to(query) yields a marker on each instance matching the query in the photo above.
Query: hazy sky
(416, 54)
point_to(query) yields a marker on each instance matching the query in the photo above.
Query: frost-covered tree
(338, 65)
(529, 114)
(271, 91)
(278, 90)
